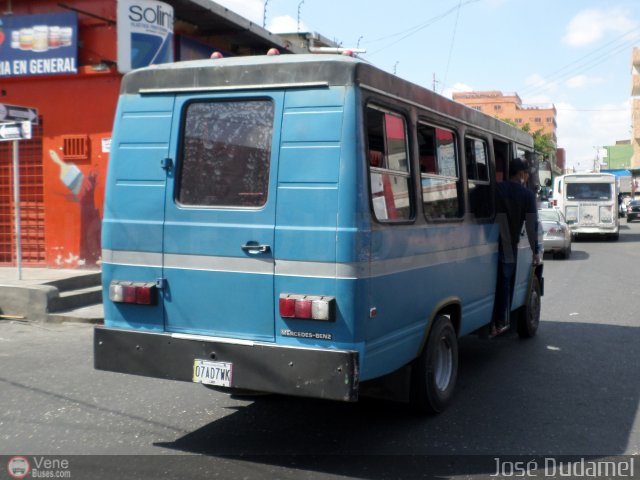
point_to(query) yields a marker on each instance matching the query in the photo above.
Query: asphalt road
(572, 390)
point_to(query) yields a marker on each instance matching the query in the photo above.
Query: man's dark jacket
(516, 205)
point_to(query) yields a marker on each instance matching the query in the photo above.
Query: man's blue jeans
(504, 287)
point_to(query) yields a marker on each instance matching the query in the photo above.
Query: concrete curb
(31, 301)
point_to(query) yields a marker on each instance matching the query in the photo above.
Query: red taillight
(145, 295)
(129, 294)
(141, 293)
(287, 307)
(303, 308)
(307, 307)
(555, 203)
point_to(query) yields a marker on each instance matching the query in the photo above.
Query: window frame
(179, 174)
(408, 175)
(472, 182)
(457, 180)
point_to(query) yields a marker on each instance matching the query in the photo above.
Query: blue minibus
(299, 224)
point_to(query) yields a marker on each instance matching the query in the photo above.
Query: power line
(415, 29)
(453, 37)
(583, 63)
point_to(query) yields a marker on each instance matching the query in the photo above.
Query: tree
(542, 142)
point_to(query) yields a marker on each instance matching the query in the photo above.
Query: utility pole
(434, 81)
(264, 14)
(299, 7)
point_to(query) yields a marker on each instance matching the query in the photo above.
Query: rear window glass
(226, 154)
(589, 191)
(548, 215)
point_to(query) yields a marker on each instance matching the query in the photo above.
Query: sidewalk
(39, 276)
(50, 294)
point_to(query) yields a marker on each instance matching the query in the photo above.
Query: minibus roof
(302, 71)
(589, 177)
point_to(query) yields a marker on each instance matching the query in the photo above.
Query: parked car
(633, 210)
(557, 235)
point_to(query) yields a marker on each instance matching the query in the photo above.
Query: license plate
(212, 373)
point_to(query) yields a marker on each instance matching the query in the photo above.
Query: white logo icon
(18, 467)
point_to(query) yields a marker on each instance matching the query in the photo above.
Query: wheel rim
(443, 368)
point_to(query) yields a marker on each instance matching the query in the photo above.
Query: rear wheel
(434, 372)
(566, 253)
(528, 316)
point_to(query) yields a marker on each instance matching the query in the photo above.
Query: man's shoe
(497, 328)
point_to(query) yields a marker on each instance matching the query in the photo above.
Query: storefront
(66, 61)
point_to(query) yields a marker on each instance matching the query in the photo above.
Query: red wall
(81, 105)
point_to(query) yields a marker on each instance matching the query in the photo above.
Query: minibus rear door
(218, 264)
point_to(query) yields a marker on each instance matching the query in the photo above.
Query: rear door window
(226, 153)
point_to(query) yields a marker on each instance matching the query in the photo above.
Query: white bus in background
(589, 202)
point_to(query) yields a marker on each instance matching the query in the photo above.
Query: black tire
(434, 372)
(528, 316)
(566, 253)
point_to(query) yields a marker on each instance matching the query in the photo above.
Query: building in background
(635, 112)
(67, 59)
(510, 107)
(618, 162)
(618, 156)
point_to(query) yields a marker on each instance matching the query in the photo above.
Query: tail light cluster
(308, 307)
(141, 293)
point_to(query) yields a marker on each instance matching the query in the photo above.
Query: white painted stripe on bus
(257, 265)
(415, 262)
(138, 259)
(296, 268)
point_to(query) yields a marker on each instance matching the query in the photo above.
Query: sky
(574, 54)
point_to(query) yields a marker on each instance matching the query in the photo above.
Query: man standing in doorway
(515, 206)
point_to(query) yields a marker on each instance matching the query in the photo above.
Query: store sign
(38, 44)
(145, 34)
(15, 131)
(10, 113)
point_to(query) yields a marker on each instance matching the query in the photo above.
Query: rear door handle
(254, 248)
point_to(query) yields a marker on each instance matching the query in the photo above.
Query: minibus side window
(439, 173)
(477, 161)
(388, 157)
(501, 156)
(226, 153)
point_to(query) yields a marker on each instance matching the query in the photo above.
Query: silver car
(557, 236)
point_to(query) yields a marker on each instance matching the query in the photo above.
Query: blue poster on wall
(44, 44)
